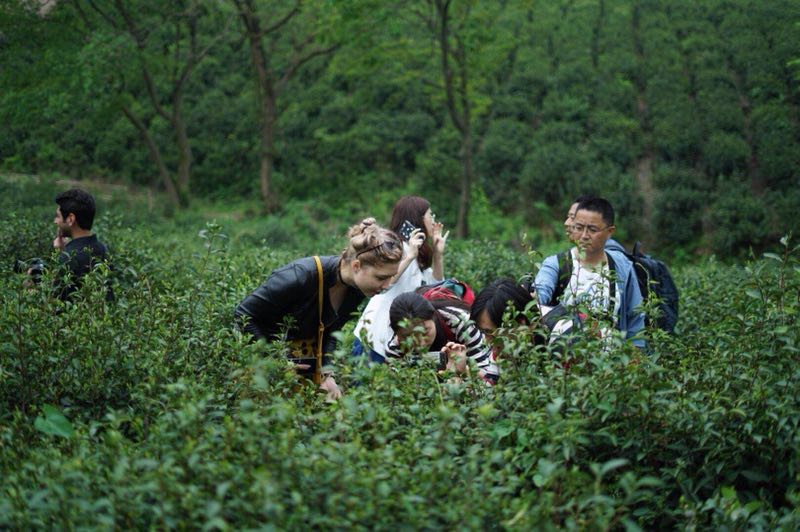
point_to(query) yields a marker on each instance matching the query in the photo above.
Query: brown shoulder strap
(321, 327)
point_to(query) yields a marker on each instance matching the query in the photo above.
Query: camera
(437, 357)
(36, 267)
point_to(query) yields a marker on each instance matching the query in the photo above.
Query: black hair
(408, 306)
(582, 198)
(601, 206)
(413, 306)
(496, 297)
(80, 203)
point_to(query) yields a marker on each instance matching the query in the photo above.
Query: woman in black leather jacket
(290, 294)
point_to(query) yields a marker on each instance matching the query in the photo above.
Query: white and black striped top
(465, 332)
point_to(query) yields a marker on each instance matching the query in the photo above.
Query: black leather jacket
(291, 292)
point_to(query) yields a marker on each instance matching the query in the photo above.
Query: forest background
(684, 114)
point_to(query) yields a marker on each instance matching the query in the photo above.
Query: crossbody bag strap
(321, 327)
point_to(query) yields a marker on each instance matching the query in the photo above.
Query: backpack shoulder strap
(612, 282)
(564, 274)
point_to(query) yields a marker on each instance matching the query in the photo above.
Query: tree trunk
(155, 155)
(644, 165)
(266, 102)
(268, 153)
(462, 222)
(184, 151)
(757, 182)
(461, 120)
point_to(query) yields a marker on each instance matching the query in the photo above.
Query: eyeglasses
(590, 229)
(389, 245)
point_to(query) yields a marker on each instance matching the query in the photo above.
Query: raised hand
(415, 241)
(330, 387)
(439, 239)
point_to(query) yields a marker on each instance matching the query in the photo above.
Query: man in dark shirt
(80, 248)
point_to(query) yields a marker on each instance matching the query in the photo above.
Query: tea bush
(153, 412)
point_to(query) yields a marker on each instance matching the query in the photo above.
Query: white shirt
(373, 326)
(591, 287)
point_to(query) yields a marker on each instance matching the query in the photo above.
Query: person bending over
(365, 268)
(445, 327)
(506, 295)
(493, 301)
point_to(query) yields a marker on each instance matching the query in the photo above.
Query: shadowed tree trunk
(181, 52)
(263, 31)
(644, 164)
(458, 105)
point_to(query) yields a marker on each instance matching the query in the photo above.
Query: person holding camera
(423, 263)
(80, 249)
(443, 326)
(317, 295)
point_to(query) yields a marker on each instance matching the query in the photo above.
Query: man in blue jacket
(591, 276)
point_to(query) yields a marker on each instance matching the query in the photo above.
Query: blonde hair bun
(372, 244)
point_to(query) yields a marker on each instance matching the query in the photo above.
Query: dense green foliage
(684, 115)
(151, 412)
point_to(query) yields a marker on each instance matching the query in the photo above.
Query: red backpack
(448, 289)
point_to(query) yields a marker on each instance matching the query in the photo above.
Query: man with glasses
(591, 277)
(610, 243)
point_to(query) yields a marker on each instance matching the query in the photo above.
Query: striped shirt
(465, 332)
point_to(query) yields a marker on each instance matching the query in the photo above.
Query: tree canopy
(684, 116)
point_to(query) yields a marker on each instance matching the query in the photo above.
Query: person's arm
(410, 252)
(457, 355)
(393, 349)
(546, 280)
(635, 317)
(468, 334)
(438, 245)
(269, 304)
(60, 241)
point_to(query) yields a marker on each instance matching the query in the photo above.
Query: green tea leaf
(53, 423)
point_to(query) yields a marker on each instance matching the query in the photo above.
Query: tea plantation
(152, 412)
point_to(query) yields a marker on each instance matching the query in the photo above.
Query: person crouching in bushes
(317, 296)
(555, 327)
(423, 263)
(445, 327)
(493, 301)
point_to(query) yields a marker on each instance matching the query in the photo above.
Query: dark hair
(413, 209)
(495, 298)
(80, 203)
(601, 206)
(582, 198)
(413, 306)
(409, 306)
